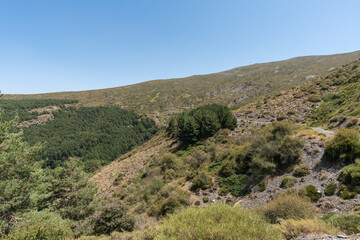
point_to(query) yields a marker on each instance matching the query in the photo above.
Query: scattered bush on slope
(344, 147)
(288, 206)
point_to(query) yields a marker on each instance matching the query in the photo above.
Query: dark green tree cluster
(23, 107)
(201, 123)
(45, 203)
(97, 135)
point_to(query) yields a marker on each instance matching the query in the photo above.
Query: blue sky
(64, 45)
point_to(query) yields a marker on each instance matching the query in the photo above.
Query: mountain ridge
(234, 87)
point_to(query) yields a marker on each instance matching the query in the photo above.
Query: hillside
(286, 162)
(237, 167)
(235, 87)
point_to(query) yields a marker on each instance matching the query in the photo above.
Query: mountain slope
(238, 86)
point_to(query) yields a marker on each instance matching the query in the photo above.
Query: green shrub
(169, 161)
(168, 200)
(347, 222)
(345, 192)
(198, 157)
(228, 168)
(312, 192)
(315, 98)
(288, 182)
(202, 180)
(350, 175)
(356, 112)
(292, 228)
(288, 206)
(329, 97)
(281, 117)
(42, 225)
(288, 153)
(236, 184)
(205, 199)
(352, 122)
(344, 147)
(330, 189)
(302, 170)
(112, 217)
(219, 221)
(262, 186)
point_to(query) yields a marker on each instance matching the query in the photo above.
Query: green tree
(16, 171)
(67, 190)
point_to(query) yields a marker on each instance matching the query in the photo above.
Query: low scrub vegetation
(347, 222)
(288, 182)
(311, 192)
(292, 228)
(288, 206)
(330, 189)
(302, 170)
(344, 148)
(215, 222)
(350, 176)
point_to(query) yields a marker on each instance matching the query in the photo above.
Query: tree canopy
(201, 123)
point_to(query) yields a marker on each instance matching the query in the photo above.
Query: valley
(239, 145)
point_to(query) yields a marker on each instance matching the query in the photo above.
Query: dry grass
(288, 206)
(218, 221)
(292, 228)
(130, 165)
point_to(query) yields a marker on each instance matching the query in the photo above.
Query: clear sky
(63, 45)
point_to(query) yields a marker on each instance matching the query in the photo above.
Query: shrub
(330, 189)
(112, 217)
(197, 158)
(312, 192)
(272, 151)
(169, 161)
(345, 192)
(315, 98)
(344, 147)
(262, 186)
(42, 225)
(288, 153)
(205, 199)
(219, 221)
(329, 97)
(202, 180)
(168, 200)
(236, 184)
(228, 168)
(350, 175)
(292, 228)
(347, 222)
(288, 206)
(352, 122)
(302, 170)
(288, 182)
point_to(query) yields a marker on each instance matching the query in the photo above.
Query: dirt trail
(323, 131)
